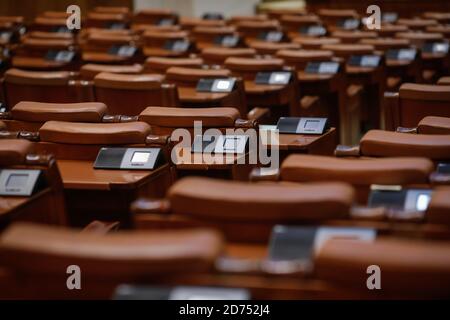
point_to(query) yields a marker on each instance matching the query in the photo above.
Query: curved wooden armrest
(101, 227)
(257, 114)
(245, 124)
(39, 159)
(146, 206)
(264, 174)
(119, 118)
(347, 151)
(440, 179)
(406, 130)
(156, 140)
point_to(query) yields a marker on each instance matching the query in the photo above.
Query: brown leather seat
(414, 102)
(30, 116)
(302, 168)
(161, 64)
(409, 269)
(238, 209)
(2, 125)
(90, 70)
(94, 133)
(378, 143)
(434, 125)
(129, 94)
(108, 9)
(444, 81)
(164, 120)
(114, 258)
(219, 55)
(56, 87)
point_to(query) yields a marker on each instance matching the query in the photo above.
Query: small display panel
(19, 182)
(302, 125)
(401, 54)
(365, 61)
(117, 26)
(140, 157)
(177, 45)
(313, 30)
(128, 158)
(436, 47)
(60, 56)
(16, 181)
(273, 78)
(166, 22)
(227, 40)
(349, 24)
(271, 36)
(216, 85)
(122, 51)
(326, 67)
(311, 124)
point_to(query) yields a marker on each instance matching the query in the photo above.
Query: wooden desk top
(296, 141)
(185, 159)
(8, 204)
(254, 88)
(189, 94)
(82, 175)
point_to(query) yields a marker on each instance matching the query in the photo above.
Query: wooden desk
(331, 88)
(374, 82)
(225, 166)
(324, 144)
(34, 208)
(278, 98)
(189, 95)
(107, 194)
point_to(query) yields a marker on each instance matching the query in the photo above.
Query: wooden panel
(31, 8)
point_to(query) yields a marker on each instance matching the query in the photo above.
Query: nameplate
(299, 243)
(405, 199)
(367, 61)
(313, 30)
(227, 40)
(179, 45)
(166, 22)
(327, 67)
(60, 56)
(273, 78)
(122, 51)
(17, 182)
(222, 144)
(128, 158)
(443, 168)
(348, 24)
(136, 292)
(117, 26)
(436, 47)
(293, 125)
(401, 54)
(271, 36)
(224, 85)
